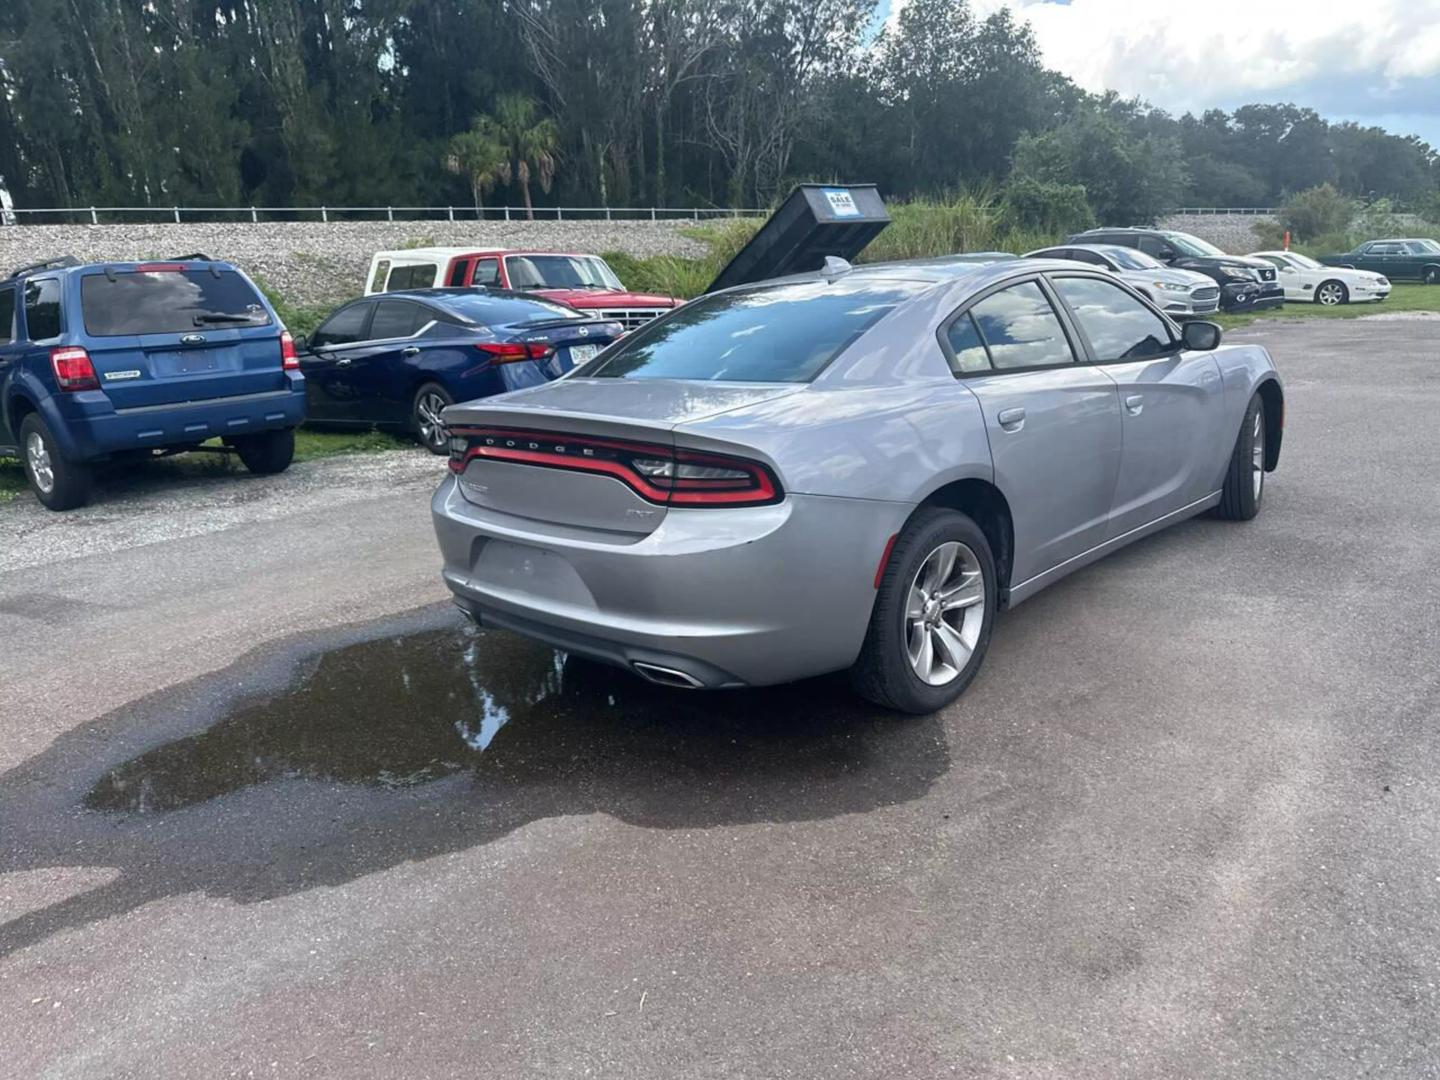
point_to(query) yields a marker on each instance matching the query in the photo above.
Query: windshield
(1304, 261)
(1425, 245)
(125, 303)
(1192, 245)
(560, 272)
(1130, 259)
(772, 333)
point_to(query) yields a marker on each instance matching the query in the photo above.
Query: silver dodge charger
(852, 469)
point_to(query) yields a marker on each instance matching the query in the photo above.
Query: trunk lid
(594, 421)
(163, 334)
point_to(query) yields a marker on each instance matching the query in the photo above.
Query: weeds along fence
(185, 215)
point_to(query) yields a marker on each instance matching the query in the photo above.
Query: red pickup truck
(582, 281)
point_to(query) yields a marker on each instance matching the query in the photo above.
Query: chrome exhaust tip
(664, 676)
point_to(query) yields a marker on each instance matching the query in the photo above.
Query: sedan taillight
(509, 352)
(661, 474)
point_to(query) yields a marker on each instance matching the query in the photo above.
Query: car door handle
(1011, 419)
(1134, 403)
(410, 350)
(344, 361)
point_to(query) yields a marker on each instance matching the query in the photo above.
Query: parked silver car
(1181, 294)
(847, 470)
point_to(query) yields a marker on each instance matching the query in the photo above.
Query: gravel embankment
(1234, 233)
(322, 263)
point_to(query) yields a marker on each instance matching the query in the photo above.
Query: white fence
(98, 215)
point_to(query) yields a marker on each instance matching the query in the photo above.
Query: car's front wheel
(933, 615)
(430, 400)
(1245, 477)
(58, 482)
(1331, 293)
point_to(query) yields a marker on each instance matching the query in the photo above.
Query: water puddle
(400, 712)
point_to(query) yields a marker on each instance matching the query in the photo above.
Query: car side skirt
(1029, 588)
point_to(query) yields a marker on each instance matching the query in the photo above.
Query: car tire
(58, 482)
(1331, 293)
(425, 417)
(266, 453)
(1431, 275)
(904, 639)
(1245, 476)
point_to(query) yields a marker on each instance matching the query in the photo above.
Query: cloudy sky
(1372, 61)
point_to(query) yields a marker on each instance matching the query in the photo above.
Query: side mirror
(302, 343)
(1167, 255)
(1200, 336)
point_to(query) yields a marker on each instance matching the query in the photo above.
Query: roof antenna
(835, 266)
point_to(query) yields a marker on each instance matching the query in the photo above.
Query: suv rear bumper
(88, 426)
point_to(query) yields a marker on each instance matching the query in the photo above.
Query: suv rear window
(168, 302)
(774, 333)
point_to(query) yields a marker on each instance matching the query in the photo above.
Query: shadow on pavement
(258, 782)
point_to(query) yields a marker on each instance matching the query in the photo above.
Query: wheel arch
(986, 505)
(18, 406)
(1429, 269)
(1272, 400)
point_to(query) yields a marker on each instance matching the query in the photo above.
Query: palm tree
(476, 156)
(527, 140)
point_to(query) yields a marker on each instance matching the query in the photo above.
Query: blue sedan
(396, 360)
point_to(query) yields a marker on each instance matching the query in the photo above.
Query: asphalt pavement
(268, 808)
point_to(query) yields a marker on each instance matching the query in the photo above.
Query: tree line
(616, 103)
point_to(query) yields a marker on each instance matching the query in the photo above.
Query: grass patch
(12, 479)
(310, 445)
(1402, 298)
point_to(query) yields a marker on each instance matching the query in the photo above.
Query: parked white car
(1305, 279)
(1181, 294)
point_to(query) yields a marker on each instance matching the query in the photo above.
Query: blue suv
(129, 360)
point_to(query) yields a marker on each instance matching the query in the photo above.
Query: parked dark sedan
(397, 359)
(1398, 260)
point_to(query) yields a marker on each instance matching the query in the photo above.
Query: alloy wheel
(41, 469)
(1257, 454)
(1330, 294)
(944, 613)
(432, 429)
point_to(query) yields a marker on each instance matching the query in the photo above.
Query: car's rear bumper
(729, 597)
(90, 426)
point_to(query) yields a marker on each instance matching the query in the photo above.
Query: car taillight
(73, 370)
(667, 475)
(289, 359)
(509, 352)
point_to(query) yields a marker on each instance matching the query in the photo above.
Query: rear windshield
(774, 333)
(497, 309)
(168, 302)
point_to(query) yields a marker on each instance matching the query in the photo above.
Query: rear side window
(487, 272)
(394, 319)
(1119, 326)
(7, 315)
(969, 351)
(42, 309)
(775, 333)
(344, 327)
(382, 271)
(1021, 329)
(412, 277)
(168, 302)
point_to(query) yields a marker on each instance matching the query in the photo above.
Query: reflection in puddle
(399, 712)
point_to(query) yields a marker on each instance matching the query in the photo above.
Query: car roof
(68, 264)
(437, 252)
(934, 273)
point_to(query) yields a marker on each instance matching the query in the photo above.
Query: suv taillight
(289, 359)
(73, 369)
(661, 474)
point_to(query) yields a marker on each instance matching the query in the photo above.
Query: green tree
(526, 140)
(1317, 212)
(1129, 176)
(475, 155)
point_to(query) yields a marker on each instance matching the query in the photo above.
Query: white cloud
(1350, 58)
